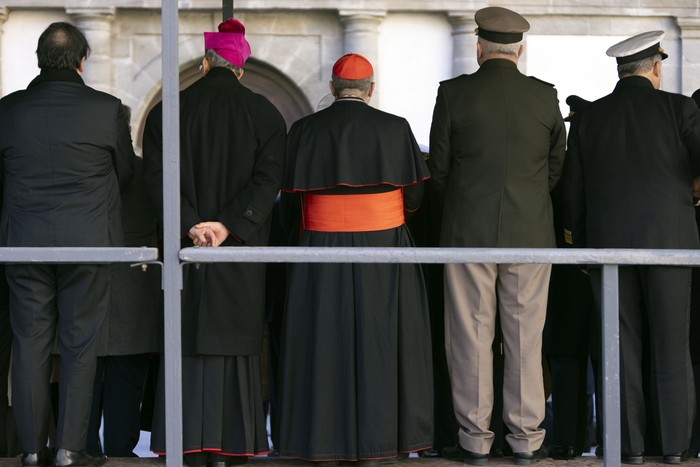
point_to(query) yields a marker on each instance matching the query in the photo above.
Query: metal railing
(64, 255)
(609, 259)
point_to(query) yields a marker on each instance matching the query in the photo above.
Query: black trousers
(446, 427)
(67, 303)
(657, 296)
(118, 391)
(9, 446)
(569, 400)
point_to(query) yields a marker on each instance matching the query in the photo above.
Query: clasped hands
(208, 234)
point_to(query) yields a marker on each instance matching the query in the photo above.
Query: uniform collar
(499, 63)
(634, 81)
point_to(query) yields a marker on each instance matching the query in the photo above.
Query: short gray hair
(492, 48)
(362, 85)
(639, 67)
(217, 61)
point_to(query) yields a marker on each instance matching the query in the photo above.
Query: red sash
(353, 213)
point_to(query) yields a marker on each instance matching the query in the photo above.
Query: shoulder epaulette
(462, 76)
(539, 80)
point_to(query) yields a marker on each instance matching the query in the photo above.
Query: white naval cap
(638, 47)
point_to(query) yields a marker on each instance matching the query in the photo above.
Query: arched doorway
(259, 77)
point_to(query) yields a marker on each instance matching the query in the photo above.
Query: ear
(479, 50)
(371, 89)
(657, 69)
(332, 88)
(80, 68)
(242, 72)
(521, 49)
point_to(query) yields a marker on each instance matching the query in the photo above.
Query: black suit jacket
(631, 161)
(66, 149)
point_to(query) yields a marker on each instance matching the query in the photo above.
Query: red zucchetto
(352, 67)
(230, 42)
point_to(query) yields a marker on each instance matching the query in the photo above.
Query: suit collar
(52, 74)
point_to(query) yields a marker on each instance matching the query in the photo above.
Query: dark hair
(127, 113)
(62, 46)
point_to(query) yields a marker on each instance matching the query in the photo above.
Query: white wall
(20, 35)
(574, 64)
(415, 54)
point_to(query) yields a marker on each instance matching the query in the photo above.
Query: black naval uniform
(632, 158)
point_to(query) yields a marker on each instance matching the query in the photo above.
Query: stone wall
(413, 43)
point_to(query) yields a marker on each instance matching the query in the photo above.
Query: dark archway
(259, 77)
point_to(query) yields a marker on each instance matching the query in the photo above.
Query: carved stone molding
(463, 42)
(361, 35)
(96, 24)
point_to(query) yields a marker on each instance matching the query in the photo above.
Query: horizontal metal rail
(77, 255)
(438, 255)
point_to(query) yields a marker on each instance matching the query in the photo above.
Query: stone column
(96, 24)
(361, 35)
(3, 17)
(690, 54)
(463, 42)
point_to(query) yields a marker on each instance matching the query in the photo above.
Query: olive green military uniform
(497, 147)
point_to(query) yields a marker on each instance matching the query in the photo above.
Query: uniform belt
(353, 213)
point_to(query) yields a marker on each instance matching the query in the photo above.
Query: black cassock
(231, 164)
(356, 377)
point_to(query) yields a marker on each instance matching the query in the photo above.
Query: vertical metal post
(227, 9)
(611, 365)
(172, 272)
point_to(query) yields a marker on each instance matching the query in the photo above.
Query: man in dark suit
(632, 159)
(66, 150)
(496, 149)
(232, 157)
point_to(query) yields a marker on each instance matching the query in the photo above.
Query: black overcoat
(232, 144)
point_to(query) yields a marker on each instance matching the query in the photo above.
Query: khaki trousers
(474, 293)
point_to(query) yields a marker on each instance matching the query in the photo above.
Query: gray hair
(361, 85)
(493, 48)
(639, 67)
(217, 61)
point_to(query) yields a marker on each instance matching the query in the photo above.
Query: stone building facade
(413, 43)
